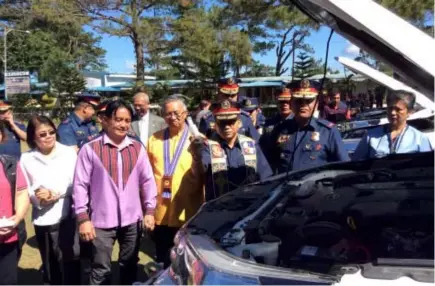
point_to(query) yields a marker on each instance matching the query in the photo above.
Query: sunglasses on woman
(45, 134)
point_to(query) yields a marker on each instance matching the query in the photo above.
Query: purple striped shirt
(113, 185)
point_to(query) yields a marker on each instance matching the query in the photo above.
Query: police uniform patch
(315, 136)
(318, 147)
(80, 133)
(217, 151)
(248, 148)
(283, 138)
(212, 125)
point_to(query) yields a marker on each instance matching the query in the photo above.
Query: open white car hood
(409, 51)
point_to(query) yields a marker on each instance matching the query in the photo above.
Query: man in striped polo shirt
(114, 195)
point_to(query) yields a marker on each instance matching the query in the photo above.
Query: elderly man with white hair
(145, 123)
(179, 193)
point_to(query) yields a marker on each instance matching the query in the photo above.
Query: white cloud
(351, 49)
(130, 64)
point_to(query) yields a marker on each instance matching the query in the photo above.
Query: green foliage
(257, 69)
(275, 24)
(306, 66)
(418, 12)
(57, 46)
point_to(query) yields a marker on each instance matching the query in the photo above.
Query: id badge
(167, 187)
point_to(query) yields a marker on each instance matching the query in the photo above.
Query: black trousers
(59, 248)
(102, 246)
(163, 237)
(8, 263)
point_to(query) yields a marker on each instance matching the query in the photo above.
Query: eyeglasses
(45, 134)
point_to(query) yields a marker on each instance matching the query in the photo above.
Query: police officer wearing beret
(304, 141)
(250, 106)
(12, 131)
(228, 89)
(228, 159)
(78, 128)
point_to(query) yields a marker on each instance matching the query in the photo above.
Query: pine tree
(305, 66)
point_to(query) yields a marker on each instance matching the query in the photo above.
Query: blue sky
(120, 53)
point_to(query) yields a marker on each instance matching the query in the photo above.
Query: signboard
(17, 82)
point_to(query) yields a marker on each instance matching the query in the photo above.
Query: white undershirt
(143, 128)
(54, 172)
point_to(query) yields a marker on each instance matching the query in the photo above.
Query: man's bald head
(141, 102)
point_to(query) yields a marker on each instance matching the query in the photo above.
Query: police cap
(304, 88)
(249, 104)
(226, 110)
(92, 99)
(5, 105)
(228, 86)
(284, 95)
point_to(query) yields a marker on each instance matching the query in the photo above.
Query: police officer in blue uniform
(78, 128)
(304, 141)
(228, 159)
(250, 106)
(284, 111)
(13, 132)
(228, 89)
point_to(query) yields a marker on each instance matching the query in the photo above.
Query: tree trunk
(140, 61)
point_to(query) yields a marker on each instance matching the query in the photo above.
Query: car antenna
(325, 69)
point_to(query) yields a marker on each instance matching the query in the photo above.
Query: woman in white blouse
(49, 170)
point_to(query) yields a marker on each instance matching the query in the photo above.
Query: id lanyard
(169, 165)
(395, 144)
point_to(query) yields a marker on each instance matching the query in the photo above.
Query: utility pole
(293, 56)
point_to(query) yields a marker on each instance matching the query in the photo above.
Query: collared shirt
(53, 172)
(6, 207)
(208, 122)
(377, 143)
(187, 191)
(74, 132)
(113, 185)
(144, 123)
(237, 169)
(298, 148)
(12, 145)
(334, 113)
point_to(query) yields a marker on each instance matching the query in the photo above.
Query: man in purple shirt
(114, 195)
(336, 110)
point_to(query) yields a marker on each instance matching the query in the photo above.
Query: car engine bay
(349, 219)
